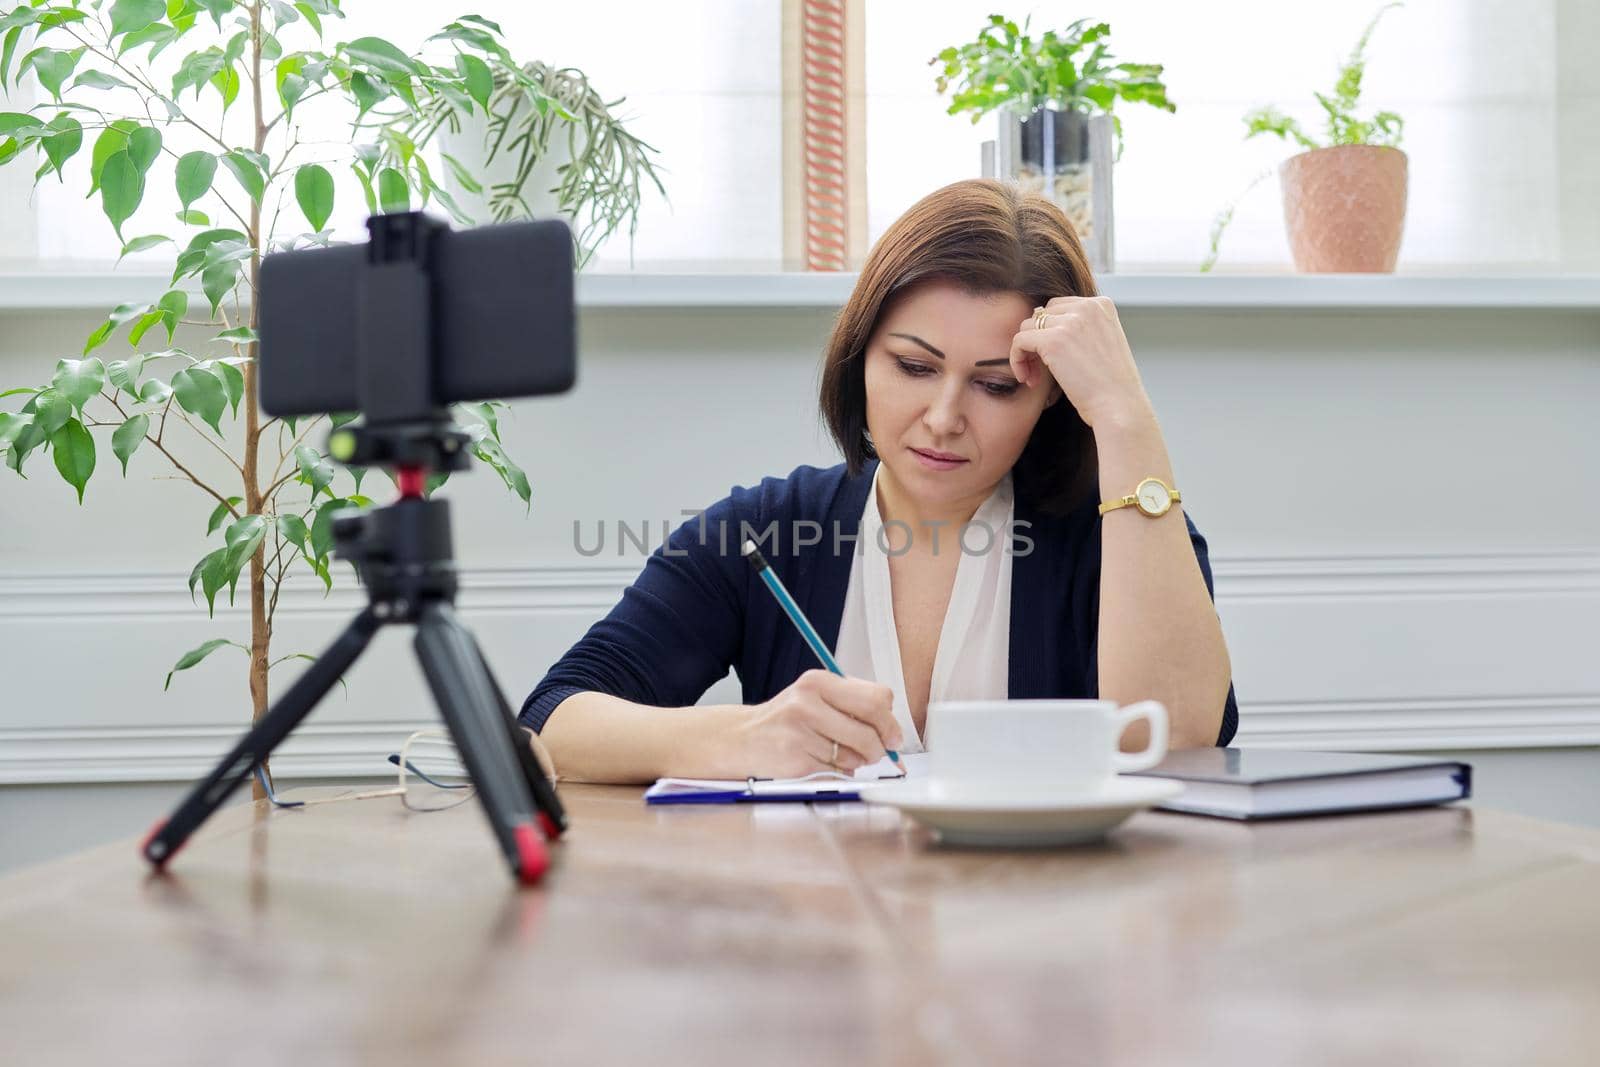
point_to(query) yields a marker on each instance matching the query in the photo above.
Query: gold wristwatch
(1152, 496)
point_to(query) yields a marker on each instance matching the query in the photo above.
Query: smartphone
(503, 319)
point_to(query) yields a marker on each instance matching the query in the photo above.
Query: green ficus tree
(210, 96)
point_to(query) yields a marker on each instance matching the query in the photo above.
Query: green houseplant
(134, 91)
(1055, 96)
(510, 159)
(1344, 196)
(1005, 68)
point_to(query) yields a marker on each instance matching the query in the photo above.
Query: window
(1499, 103)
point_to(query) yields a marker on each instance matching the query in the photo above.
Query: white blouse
(973, 657)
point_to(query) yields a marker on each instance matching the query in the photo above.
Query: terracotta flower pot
(1345, 207)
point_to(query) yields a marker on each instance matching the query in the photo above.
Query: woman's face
(947, 417)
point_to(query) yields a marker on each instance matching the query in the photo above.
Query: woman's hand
(794, 733)
(1085, 350)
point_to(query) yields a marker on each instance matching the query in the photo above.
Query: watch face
(1153, 498)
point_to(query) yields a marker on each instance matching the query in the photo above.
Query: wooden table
(362, 933)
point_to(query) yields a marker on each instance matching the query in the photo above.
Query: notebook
(822, 786)
(1268, 783)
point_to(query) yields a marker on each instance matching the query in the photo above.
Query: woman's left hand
(1085, 350)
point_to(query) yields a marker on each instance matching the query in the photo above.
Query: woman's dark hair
(987, 237)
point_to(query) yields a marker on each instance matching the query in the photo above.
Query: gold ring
(1041, 319)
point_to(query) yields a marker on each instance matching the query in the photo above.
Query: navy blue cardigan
(697, 608)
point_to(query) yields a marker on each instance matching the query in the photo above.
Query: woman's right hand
(793, 734)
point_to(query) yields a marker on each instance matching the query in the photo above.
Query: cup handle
(1156, 713)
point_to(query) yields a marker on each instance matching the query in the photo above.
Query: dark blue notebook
(1273, 783)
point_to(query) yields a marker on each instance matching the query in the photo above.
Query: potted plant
(1056, 119)
(117, 77)
(545, 143)
(1344, 201)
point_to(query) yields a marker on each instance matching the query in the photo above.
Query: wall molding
(82, 752)
(40, 597)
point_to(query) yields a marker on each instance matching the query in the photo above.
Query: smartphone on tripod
(398, 329)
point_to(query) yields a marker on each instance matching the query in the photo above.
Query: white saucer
(1021, 820)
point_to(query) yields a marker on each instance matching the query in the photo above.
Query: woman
(974, 382)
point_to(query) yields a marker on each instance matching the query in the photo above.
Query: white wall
(1401, 509)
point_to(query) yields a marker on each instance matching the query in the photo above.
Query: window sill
(96, 290)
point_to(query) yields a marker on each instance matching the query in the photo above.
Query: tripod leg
(464, 693)
(281, 719)
(551, 813)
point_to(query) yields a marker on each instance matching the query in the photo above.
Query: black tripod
(403, 554)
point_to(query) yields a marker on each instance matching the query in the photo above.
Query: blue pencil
(796, 616)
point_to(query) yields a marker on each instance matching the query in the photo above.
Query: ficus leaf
(250, 177)
(51, 411)
(173, 304)
(121, 188)
(217, 9)
(28, 437)
(217, 280)
(393, 195)
(144, 145)
(53, 67)
(140, 328)
(130, 15)
(11, 425)
(232, 379)
(367, 91)
(194, 175)
(200, 652)
(226, 81)
(78, 380)
(64, 143)
(379, 54)
(311, 16)
(156, 35)
(219, 515)
(124, 373)
(213, 576)
(322, 527)
(244, 538)
(293, 530)
(476, 78)
(140, 244)
(99, 79)
(128, 437)
(72, 446)
(201, 393)
(314, 470)
(313, 188)
(155, 391)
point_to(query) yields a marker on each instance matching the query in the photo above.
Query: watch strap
(1122, 502)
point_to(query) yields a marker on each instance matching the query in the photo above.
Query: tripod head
(402, 552)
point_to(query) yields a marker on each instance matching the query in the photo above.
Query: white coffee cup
(1037, 747)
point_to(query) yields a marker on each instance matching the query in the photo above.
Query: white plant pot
(469, 146)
